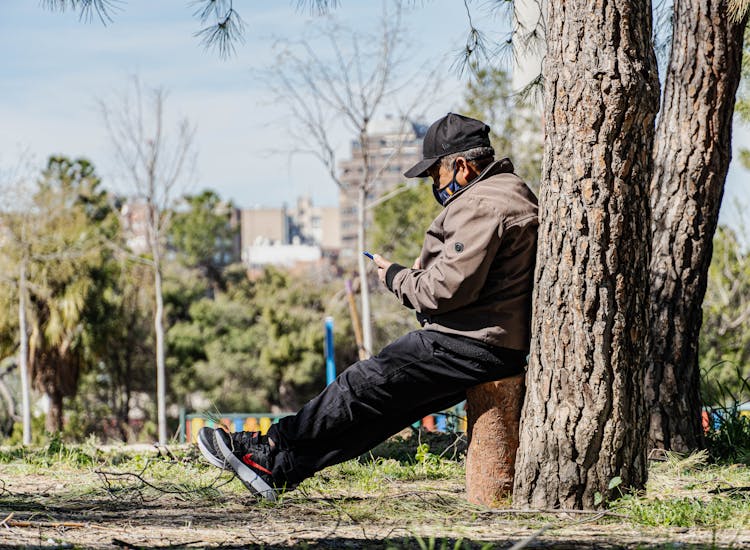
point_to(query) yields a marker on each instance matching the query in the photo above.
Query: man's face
(440, 175)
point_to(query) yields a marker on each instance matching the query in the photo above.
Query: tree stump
(493, 414)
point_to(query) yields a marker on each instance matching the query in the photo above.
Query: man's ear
(463, 168)
(460, 165)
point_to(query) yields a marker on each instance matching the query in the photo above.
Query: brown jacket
(477, 262)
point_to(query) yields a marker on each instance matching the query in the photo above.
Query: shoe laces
(241, 441)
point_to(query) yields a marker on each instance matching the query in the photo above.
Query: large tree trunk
(583, 420)
(691, 158)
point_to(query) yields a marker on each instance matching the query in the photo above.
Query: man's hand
(383, 266)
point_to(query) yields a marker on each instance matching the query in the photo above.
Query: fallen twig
(54, 524)
(7, 518)
(658, 455)
(720, 490)
(103, 474)
(165, 451)
(556, 511)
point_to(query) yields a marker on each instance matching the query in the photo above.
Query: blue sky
(55, 69)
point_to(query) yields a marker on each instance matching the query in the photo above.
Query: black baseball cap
(451, 134)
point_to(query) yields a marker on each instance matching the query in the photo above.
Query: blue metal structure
(330, 365)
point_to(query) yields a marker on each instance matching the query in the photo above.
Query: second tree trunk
(691, 158)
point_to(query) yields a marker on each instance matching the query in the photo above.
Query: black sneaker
(209, 450)
(248, 456)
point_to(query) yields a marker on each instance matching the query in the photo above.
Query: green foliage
(52, 453)
(682, 512)
(488, 97)
(8, 313)
(369, 471)
(742, 107)
(515, 124)
(745, 158)
(689, 492)
(256, 346)
(401, 222)
(204, 236)
(122, 363)
(429, 465)
(58, 238)
(728, 439)
(724, 340)
(38, 435)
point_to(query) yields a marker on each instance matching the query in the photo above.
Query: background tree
(122, 350)
(347, 77)
(691, 158)
(156, 163)
(724, 338)
(583, 418)
(204, 236)
(59, 250)
(17, 234)
(258, 345)
(400, 223)
(514, 120)
(743, 101)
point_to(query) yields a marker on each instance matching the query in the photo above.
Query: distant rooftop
(392, 124)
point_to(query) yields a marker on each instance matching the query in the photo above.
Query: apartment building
(285, 236)
(393, 145)
(135, 226)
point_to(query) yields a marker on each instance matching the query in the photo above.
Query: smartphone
(368, 255)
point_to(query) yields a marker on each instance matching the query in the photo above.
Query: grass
(690, 492)
(419, 493)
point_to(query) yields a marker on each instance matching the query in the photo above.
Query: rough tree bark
(691, 158)
(493, 412)
(583, 421)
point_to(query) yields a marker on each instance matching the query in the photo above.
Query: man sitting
(471, 290)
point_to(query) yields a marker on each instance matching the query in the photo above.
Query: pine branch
(87, 9)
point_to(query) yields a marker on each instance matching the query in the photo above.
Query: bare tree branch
(334, 80)
(156, 166)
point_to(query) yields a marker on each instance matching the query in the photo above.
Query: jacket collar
(501, 166)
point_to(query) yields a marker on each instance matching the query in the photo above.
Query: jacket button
(459, 247)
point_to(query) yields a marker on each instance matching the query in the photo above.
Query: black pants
(418, 374)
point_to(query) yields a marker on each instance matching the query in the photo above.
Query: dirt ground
(88, 510)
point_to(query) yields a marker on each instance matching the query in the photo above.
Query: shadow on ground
(398, 544)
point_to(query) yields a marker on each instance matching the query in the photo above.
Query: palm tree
(71, 219)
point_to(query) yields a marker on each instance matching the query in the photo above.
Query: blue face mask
(442, 195)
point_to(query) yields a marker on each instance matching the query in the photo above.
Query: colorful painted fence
(451, 420)
(243, 422)
(448, 421)
(714, 417)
